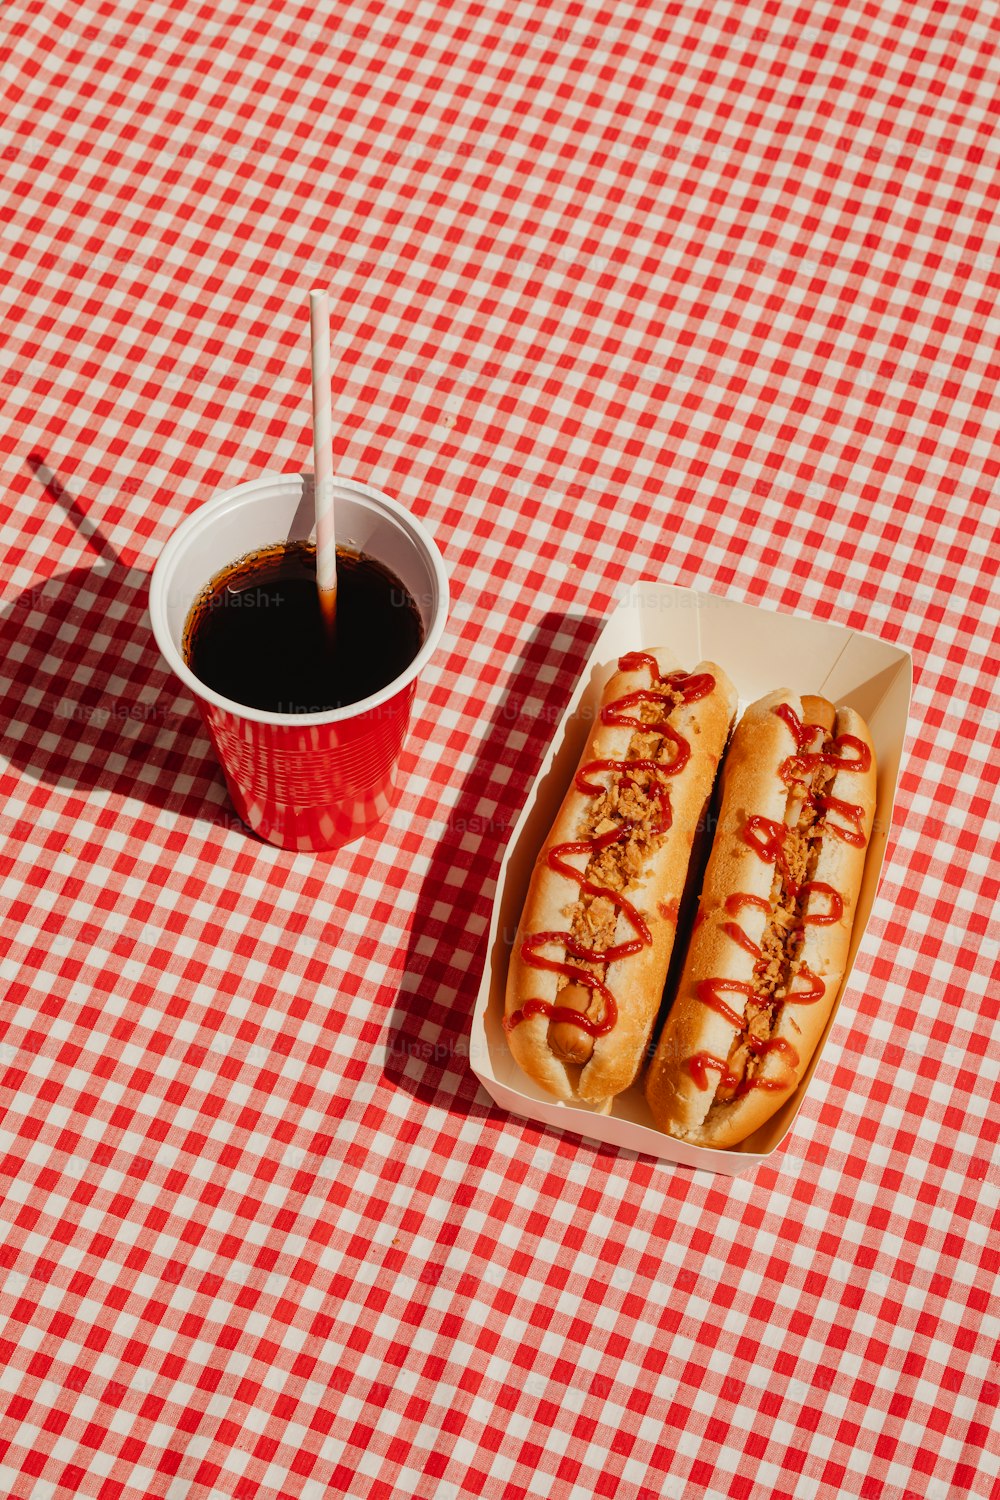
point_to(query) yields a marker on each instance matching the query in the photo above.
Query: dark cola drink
(256, 633)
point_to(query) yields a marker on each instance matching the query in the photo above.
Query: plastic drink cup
(306, 781)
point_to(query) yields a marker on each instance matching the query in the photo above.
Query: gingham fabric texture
(699, 293)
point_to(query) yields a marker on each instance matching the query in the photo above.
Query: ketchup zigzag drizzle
(767, 840)
(710, 993)
(690, 688)
(797, 770)
(702, 1061)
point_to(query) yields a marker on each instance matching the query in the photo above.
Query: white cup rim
(184, 533)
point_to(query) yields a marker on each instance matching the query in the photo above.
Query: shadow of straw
(428, 1045)
(86, 701)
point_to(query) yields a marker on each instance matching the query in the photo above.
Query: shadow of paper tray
(761, 650)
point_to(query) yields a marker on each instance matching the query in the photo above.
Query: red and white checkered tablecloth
(696, 292)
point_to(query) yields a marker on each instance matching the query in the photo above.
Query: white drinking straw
(322, 410)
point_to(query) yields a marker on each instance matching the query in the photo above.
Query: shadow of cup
(87, 703)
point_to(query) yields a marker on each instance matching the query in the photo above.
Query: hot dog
(770, 941)
(592, 950)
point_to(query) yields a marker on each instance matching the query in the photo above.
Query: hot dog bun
(770, 942)
(638, 794)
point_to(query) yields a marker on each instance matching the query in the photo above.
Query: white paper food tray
(761, 650)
